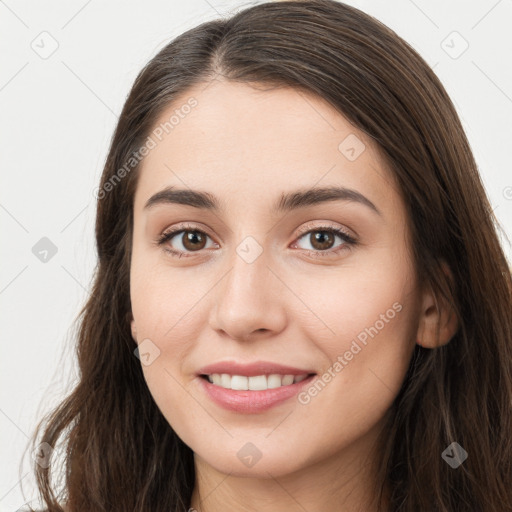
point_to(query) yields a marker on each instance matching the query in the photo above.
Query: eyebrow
(287, 201)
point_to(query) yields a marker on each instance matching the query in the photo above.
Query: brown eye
(321, 240)
(184, 241)
(193, 240)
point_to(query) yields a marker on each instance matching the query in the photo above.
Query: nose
(249, 301)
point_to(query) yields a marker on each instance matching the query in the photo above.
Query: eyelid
(308, 226)
(184, 226)
(312, 226)
(175, 230)
(349, 241)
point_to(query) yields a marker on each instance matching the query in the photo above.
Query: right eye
(191, 240)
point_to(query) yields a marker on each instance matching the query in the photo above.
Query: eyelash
(348, 240)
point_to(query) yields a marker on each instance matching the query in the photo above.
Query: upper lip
(251, 369)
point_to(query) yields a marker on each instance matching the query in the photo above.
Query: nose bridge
(247, 300)
(249, 271)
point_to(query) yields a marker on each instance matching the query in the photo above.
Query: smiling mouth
(254, 383)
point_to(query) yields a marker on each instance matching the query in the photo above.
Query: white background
(59, 113)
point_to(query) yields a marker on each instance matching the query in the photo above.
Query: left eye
(322, 239)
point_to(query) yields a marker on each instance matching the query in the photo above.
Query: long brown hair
(122, 455)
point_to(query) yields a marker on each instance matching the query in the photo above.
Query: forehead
(240, 142)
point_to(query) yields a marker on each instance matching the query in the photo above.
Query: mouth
(254, 383)
(252, 388)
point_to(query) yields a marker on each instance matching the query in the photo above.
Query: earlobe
(438, 321)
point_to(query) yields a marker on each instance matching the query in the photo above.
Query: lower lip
(251, 402)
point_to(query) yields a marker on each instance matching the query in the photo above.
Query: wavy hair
(122, 455)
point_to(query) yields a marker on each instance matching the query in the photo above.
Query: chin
(243, 458)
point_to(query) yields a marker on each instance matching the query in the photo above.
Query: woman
(301, 302)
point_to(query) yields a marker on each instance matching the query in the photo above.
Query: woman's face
(261, 283)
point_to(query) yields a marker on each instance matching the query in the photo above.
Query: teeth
(239, 382)
(287, 380)
(256, 383)
(274, 381)
(225, 381)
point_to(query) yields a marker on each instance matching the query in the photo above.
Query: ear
(438, 321)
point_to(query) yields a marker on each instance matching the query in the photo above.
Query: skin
(246, 146)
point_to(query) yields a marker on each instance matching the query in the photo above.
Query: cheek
(164, 307)
(372, 300)
(372, 324)
(369, 311)
(164, 300)
(364, 315)
(167, 307)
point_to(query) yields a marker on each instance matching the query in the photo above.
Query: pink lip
(251, 402)
(251, 369)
